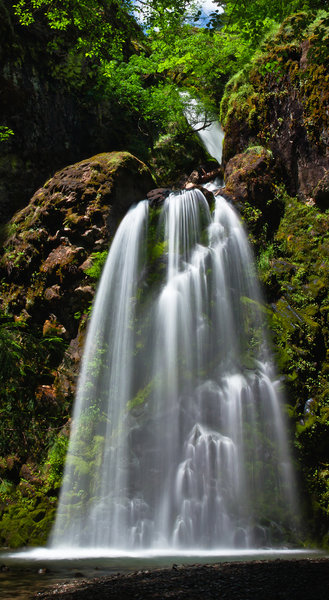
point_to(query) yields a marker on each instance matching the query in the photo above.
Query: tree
(255, 17)
(100, 27)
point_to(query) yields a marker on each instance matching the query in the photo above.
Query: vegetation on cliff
(294, 269)
(278, 105)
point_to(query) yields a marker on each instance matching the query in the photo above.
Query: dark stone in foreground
(306, 579)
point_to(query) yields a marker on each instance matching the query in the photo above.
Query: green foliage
(5, 133)
(93, 23)
(56, 460)
(255, 19)
(98, 262)
(25, 358)
(295, 274)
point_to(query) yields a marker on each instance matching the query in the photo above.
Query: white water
(207, 127)
(178, 442)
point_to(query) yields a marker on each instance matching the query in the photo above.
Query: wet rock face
(50, 244)
(321, 192)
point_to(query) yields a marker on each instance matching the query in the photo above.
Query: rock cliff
(280, 101)
(276, 153)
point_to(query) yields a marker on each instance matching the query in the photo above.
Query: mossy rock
(27, 522)
(73, 216)
(280, 101)
(294, 270)
(249, 184)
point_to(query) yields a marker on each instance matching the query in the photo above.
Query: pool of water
(26, 572)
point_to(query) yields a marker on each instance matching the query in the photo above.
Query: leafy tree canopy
(253, 18)
(99, 26)
(168, 50)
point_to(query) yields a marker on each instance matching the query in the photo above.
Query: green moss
(141, 396)
(28, 521)
(98, 261)
(294, 270)
(27, 510)
(237, 97)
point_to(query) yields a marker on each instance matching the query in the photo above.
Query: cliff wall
(276, 116)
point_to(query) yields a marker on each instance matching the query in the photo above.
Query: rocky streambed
(303, 579)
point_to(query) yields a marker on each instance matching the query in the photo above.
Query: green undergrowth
(31, 445)
(294, 270)
(28, 498)
(98, 260)
(29, 411)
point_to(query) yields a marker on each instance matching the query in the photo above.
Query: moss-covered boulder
(49, 242)
(51, 259)
(250, 184)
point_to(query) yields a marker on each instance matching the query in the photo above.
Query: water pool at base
(27, 572)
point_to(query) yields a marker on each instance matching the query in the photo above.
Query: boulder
(249, 176)
(249, 185)
(51, 243)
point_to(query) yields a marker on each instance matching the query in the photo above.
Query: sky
(208, 6)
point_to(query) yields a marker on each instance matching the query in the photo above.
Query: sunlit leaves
(5, 133)
(161, 15)
(99, 26)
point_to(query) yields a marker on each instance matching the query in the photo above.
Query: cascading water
(208, 129)
(178, 439)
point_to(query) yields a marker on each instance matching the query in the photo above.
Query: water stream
(178, 438)
(207, 127)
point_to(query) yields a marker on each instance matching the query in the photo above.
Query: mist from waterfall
(178, 438)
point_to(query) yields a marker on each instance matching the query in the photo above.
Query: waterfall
(207, 127)
(178, 438)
